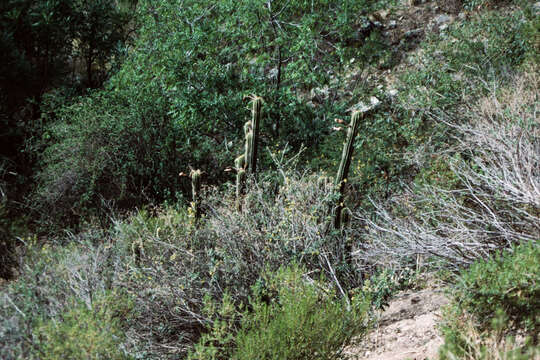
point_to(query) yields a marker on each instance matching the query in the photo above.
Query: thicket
(174, 271)
(51, 51)
(239, 272)
(47, 45)
(290, 316)
(178, 98)
(492, 300)
(468, 170)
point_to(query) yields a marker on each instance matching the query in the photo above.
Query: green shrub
(291, 317)
(448, 72)
(382, 285)
(177, 100)
(7, 243)
(509, 282)
(170, 265)
(84, 331)
(501, 296)
(52, 281)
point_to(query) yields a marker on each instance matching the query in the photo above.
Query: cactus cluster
(240, 164)
(253, 139)
(247, 162)
(196, 189)
(345, 164)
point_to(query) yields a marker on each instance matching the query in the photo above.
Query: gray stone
(536, 8)
(442, 19)
(392, 24)
(273, 73)
(392, 93)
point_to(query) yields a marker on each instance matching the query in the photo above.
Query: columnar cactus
(343, 172)
(248, 151)
(345, 217)
(248, 161)
(322, 182)
(247, 127)
(196, 189)
(239, 164)
(254, 140)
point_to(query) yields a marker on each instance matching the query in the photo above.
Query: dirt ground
(407, 329)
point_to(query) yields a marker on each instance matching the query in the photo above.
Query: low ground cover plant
(291, 315)
(495, 302)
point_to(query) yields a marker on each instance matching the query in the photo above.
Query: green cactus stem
(196, 190)
(239, 162)
(247, 127)
(343, 172)
(248, 151)
(240, 187)
(255, 126)
(239, 165)
(345, 217)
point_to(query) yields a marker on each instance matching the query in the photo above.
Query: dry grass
(496, 197)
(492, 346)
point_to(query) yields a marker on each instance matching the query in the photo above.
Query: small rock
(374, 101)
(392, 24)
(392, 92)
(320, 94)
(463, 16)
(273, 73)
(443, 27)
(415, 300)
(442, 19)
(536, 8)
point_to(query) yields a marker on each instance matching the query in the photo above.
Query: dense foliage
(50, 52)
(178, 98)
(121, 98)
(290, 316)
(172, 270)
(42, 44)
(501, 295)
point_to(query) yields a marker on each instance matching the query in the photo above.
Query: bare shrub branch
(497, 199)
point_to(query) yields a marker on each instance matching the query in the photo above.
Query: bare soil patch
(407, 329)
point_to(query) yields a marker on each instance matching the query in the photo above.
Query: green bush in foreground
(495, 299)
(292, 317)
(84, 332)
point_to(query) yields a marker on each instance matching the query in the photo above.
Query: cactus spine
(343, 172)
(254, 138)
(196, 190)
